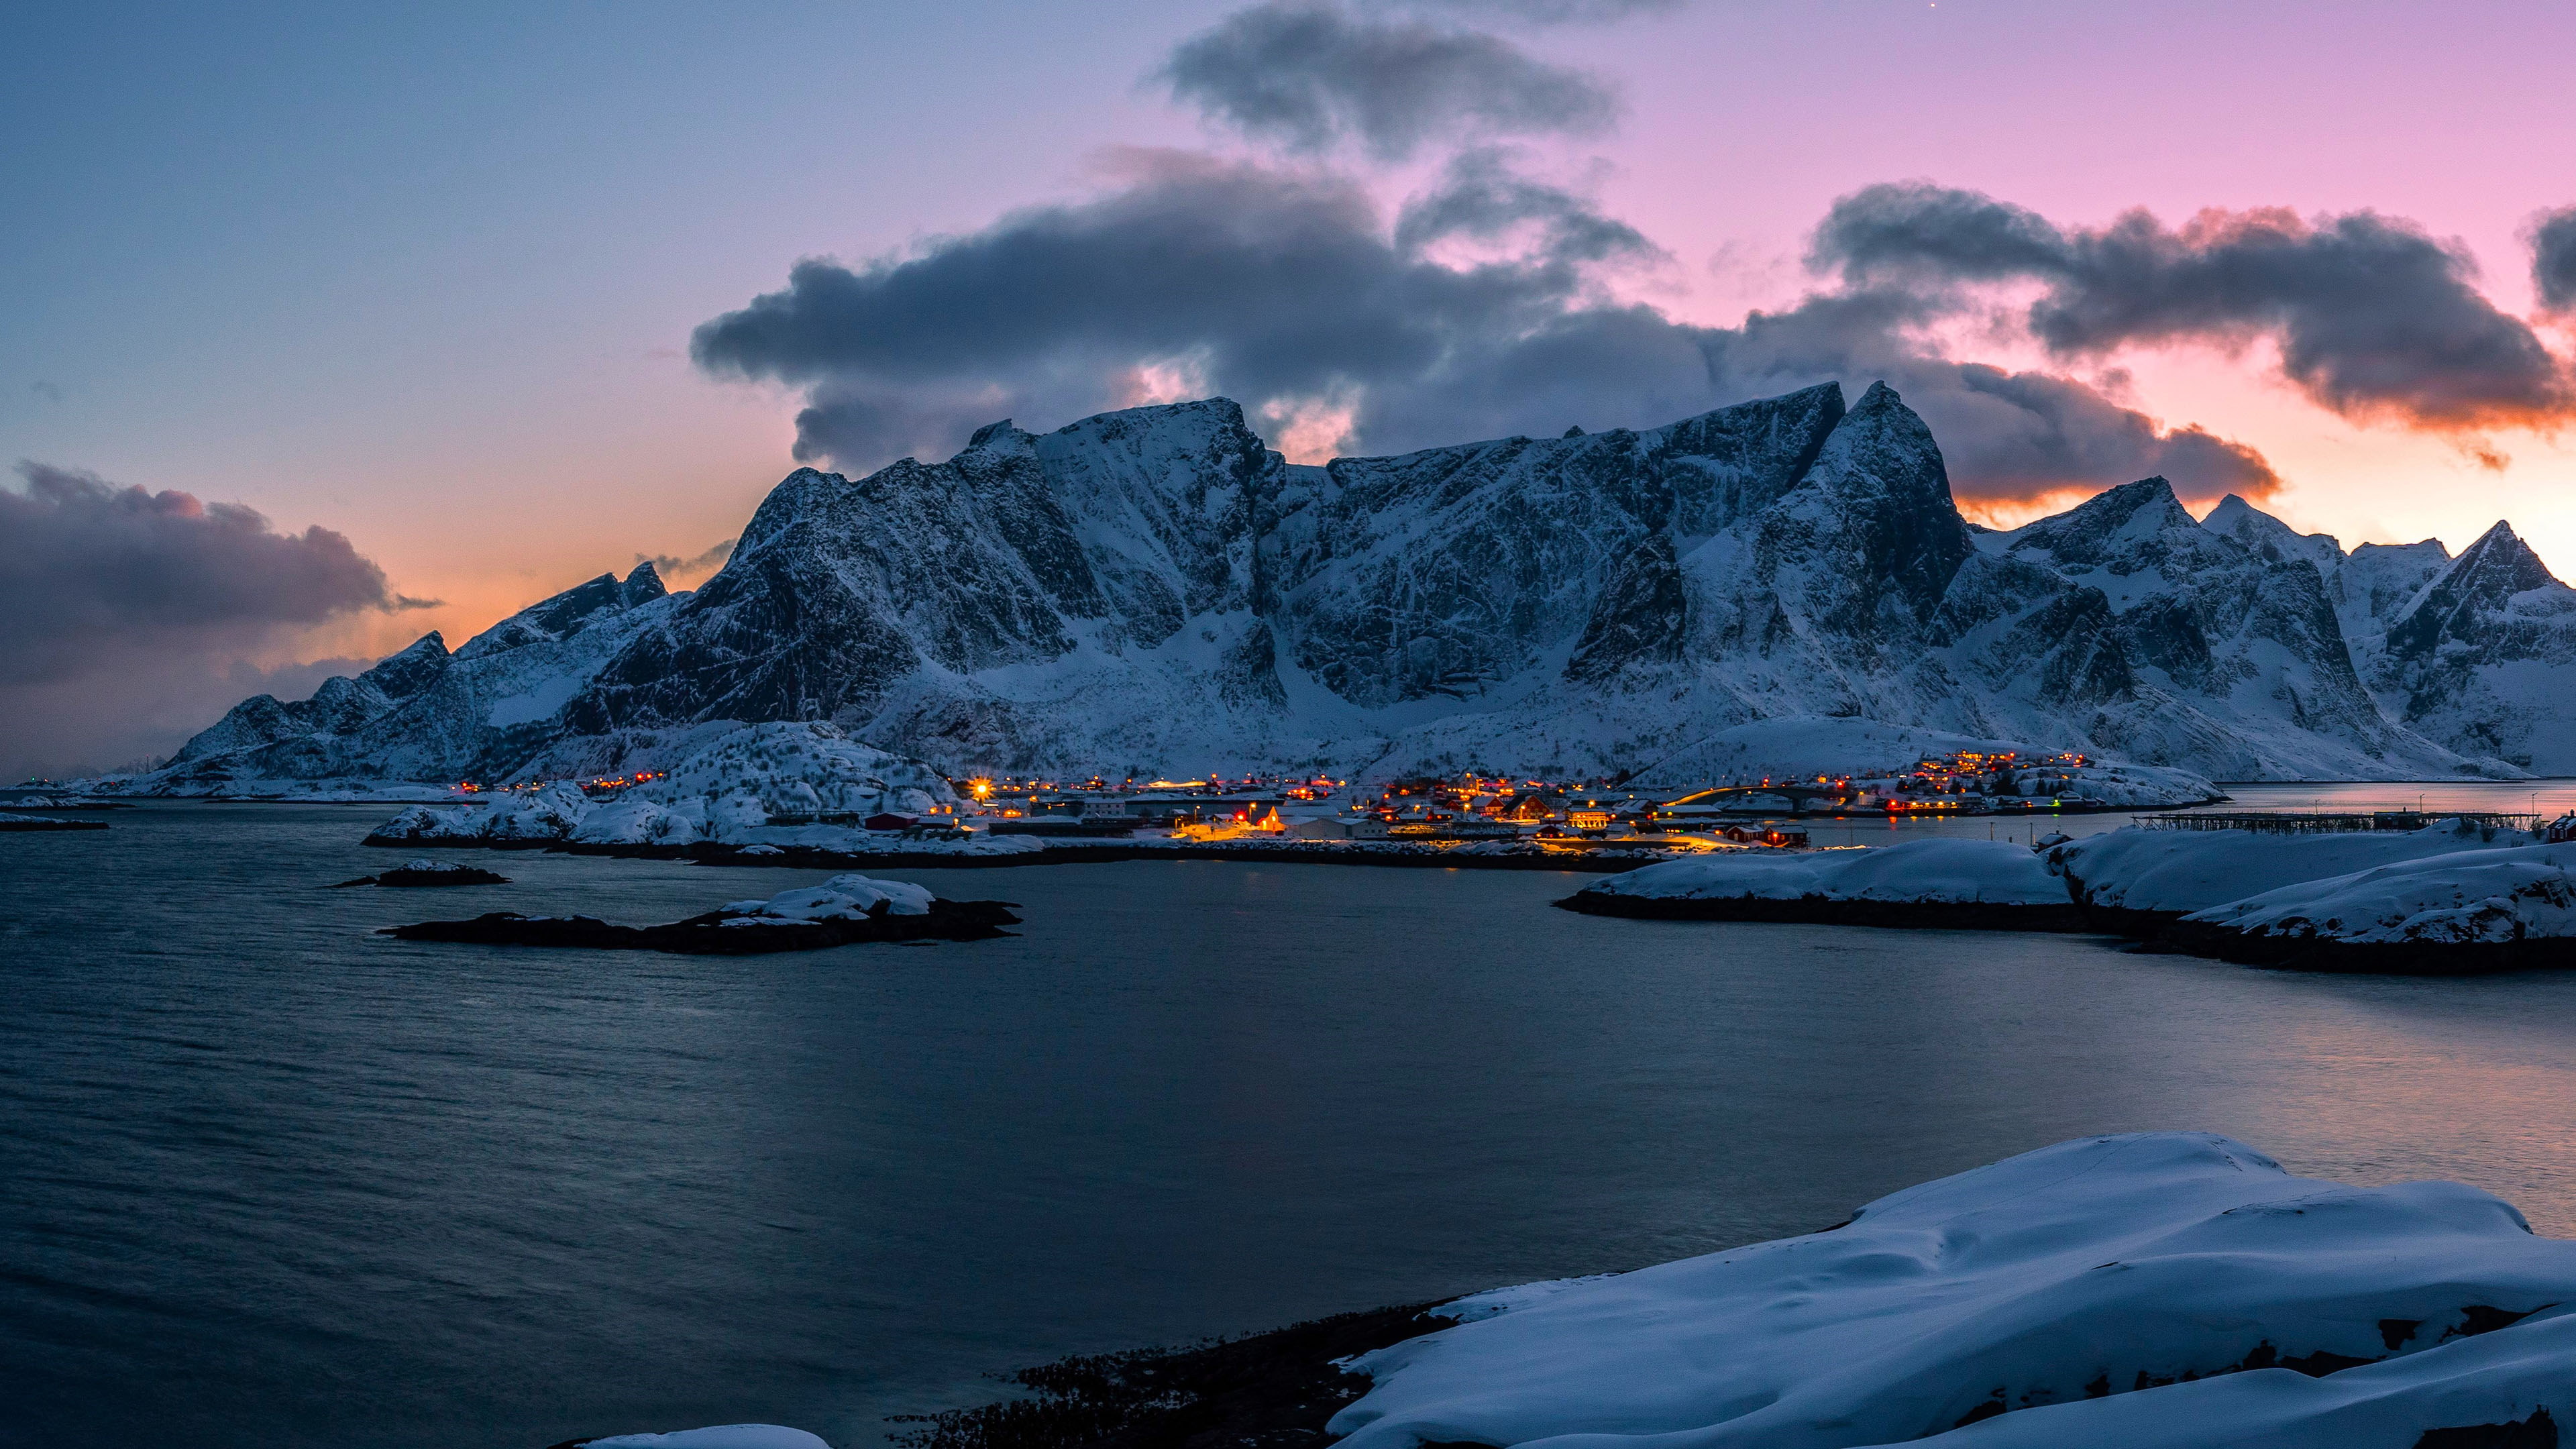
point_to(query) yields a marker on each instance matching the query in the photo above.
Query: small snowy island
(1976, 884)
(415, 874)
(845, 910)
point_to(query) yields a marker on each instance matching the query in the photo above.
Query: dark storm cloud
(91, 566)
(2373, 318)
(124, 613)
(1308, 75)
(2553, 259)
(1266, 286)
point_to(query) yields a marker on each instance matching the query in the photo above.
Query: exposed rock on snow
(1154, 588)
(726, 790)
(429, 873)
(2135, 881)
(1982, 884)
(2473, 910)
(845, 910)
(2162, 1289)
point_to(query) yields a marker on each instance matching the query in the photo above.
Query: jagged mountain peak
(410, 669)
(2477, 586)
(2106, 524)
(2269, 537)
(643, 585)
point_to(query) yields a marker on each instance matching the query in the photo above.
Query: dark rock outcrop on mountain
(425, 714)
(1155, 590)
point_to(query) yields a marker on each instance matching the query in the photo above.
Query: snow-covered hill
(1156, 591)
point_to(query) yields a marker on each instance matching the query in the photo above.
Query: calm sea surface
(267, 1179)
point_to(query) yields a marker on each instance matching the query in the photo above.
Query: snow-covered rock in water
(1919, 883)
(2087, 1293)
(730, 786)
(720, 1436)
(842, 898)
(2137, 879)
(2473, 910)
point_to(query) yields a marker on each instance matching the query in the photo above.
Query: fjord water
(272, 1180)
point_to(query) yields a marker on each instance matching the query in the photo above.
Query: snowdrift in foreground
(2094, 1287)
(2164, 873)
(724, 791)
(2466, 911)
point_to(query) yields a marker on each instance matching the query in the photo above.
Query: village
(1565, 815)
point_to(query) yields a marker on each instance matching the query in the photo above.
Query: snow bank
(724, 791)
(1954, 871)
(2092, 1276)
(722, 1436)
(2467, 911)
(2174, 872)
(842, 898)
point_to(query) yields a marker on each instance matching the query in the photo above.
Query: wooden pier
(2330, 822)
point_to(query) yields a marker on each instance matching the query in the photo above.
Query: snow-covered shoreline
(1960, 884)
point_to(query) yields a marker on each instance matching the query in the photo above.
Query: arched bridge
(1798, 796)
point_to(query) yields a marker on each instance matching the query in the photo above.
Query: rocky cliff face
(425, 714)
(1154, 590)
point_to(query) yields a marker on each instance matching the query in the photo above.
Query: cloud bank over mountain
(2372, 317)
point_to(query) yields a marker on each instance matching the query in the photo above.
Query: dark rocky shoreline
(2367, 958)
(1305, 852)
(716, 932)
(403, 876)
(1829, 911)
(38, 822)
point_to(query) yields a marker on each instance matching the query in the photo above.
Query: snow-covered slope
(2151, 1289)
(424, 714)
(1155, 590)
(2179, 871)
(2466, 897)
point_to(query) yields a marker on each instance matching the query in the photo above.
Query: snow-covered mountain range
(1155, 590)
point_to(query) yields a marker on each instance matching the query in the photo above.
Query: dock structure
(2282, 822)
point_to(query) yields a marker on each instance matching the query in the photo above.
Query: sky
(324, 326)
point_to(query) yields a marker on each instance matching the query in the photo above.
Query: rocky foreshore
(2165, 1290)
(1980, 885)
(897, 854)
(417, 874)
(12, 821)
(843, 911)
